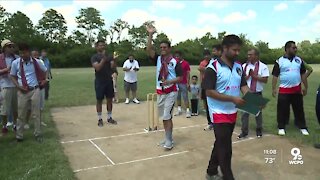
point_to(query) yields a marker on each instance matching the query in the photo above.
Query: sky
(271, 21)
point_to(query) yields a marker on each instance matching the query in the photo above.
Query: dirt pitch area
(128, 152)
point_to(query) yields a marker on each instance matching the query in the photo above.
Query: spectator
(130, 68)
(47, 63)
(184, 85)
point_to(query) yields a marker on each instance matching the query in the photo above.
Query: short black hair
(130, 55)
(178, 52)
(194, 76)
(256, 51)
(206, 52)
(166, 42)
(24, 47)
(100, 41)
(288, 44)
(230, 40)
(217, 47)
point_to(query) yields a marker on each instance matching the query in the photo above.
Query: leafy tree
(53, 26)
(139, 35)
(19, 28)
(3, 19)
(78, 37)
(89, 20)
(118, 26)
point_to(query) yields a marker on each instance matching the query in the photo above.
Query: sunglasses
(10, 46)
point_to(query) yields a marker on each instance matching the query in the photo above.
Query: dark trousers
(46, 91)
(207, 111)
(194, 105)
(283, 110)
(318, 105)
(222, 151)
(245, 120)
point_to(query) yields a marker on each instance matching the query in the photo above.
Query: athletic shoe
(168, 145)
(135, 100)
(112, 121)
(188, 114)
(127, 101)
(304, 132)
(14, 128)
(242, 136)
(214, 177)
(9, 124)
(4, 130)
(100, 123)
(208, 127)
(178, 113)
(162, 143)
(281, 132)
(43, 124)
(259, 132)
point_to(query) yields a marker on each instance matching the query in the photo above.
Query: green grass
(74, 87)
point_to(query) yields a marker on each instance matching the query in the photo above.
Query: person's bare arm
(274, 84)
(15, 82)
(126, 69)
(222, 97)
(172, 81)
(245, 89)
(99, 65)
(261, 79)
(4, 71)
(305, 83)
(150, 50)
(188, 79)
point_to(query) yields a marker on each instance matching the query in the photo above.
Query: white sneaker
(127, 101)
(135, 100)
(178, 113)
(281, 132)
(304, 132)
(188, 114)
(9, 124)
(26, 126)
(44, 124)
(208, 127)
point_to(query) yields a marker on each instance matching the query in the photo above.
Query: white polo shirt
(131, 76)
(262, 72)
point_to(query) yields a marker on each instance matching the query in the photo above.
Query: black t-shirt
(210, 79)
(104, 74)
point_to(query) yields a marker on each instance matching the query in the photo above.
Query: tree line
(75, 50)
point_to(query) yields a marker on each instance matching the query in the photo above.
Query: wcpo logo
(297, 157)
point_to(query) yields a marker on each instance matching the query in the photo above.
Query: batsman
(168, 74)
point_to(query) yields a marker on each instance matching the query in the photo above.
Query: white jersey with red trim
(172, 75)
(228, 82)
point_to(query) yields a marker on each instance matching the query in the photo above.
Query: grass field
(74, 87)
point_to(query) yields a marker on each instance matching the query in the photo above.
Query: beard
(232, 58)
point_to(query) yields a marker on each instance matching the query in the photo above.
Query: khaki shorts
(10, 101)
(166, 104)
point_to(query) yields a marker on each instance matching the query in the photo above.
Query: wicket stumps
(153, 119)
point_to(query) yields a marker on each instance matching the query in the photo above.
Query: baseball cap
(5, 42)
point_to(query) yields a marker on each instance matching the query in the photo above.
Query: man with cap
(8, 89)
